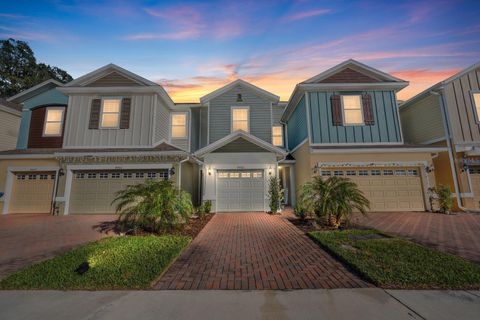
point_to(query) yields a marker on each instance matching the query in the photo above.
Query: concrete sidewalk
(368, 303)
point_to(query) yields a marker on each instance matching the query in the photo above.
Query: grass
(132, 262)
(391, 262)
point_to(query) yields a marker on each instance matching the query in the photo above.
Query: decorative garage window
(400, 173)
(388, 172)
(223, 175)
(163, 174)
(326, 173)
(246, 175)
(338, 173)
(351, 173)
(234, 175)
(91, 175)
(412, 172)
(52, 177)
(258, 174)
(151, 175)
(32, 177)
(44, 177)
(363, 172)
(103, 175)
(376, 172)
(128, 175)
(21, 177)
(116, 175)
(80, 176)
(139, 175)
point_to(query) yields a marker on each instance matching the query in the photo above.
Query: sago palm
(335, 198)
(153, 206)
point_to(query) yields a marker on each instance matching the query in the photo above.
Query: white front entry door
(240, 190)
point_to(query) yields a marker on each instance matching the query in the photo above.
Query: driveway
(255, 251)
(457, 234)
(27, 238)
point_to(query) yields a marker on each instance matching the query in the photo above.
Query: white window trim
(477, 115)
(119, 113)
(281, 135)
(62, 120)
(343, 111)
(231, 117)
(186, 125)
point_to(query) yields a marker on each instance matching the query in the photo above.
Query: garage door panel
(240, 190)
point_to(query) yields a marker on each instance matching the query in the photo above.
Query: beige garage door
(475, 177)
(93, 192)
(32, 192)
(388, 189)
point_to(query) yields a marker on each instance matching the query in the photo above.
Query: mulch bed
(309, 225)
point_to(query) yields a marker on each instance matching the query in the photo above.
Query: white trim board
(379, 150)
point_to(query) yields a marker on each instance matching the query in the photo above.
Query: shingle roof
(11, 105)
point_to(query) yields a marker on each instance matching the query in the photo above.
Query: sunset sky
(194, 47)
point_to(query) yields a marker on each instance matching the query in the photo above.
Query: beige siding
(422, 121)
(162, 121)
(9, 125)
(460, 105)
(139, 134)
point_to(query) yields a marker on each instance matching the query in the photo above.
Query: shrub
(445, 201)
(154, 206)
(201, 211)
(275, 194)
(208, 206)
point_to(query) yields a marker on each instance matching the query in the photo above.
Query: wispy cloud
(305, 14)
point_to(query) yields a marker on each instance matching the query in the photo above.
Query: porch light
(61, 172)
(172, 171)
(429, 169)
(209, 171)
(270, 170)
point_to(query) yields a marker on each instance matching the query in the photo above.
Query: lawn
(131, 262)
(391, 262)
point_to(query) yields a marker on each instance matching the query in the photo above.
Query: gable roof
(268, 95)
(35, 90)
(239, 135)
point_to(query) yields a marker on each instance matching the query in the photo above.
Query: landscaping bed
(125, 262)
(391, 262)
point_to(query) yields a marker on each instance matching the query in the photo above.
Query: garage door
(240, 190)
(475, 178)
(388, 189)
(93, 192)
(32, 192)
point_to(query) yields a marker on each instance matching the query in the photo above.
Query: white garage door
(388, 189)
(240, 190)
(93, 191)
(32, 192)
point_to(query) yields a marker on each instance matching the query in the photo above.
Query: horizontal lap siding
(162, 121)
(277, 112)
(9, 124)
(385, 129)
(220, 114)
(297, 125)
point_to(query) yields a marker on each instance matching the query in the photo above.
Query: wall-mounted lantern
(209, 171)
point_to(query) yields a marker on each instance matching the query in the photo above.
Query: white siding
(9, 125)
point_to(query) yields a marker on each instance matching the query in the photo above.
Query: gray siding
(277, 112)
(240, 145)
(113, 79)
(140, 132)
(203, 134)
(195, 131)
(162, 121)
(220, 114)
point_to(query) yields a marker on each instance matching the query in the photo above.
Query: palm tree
(335, 198)
(154, 206)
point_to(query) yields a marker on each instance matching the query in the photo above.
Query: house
(345, 122)
(81, 142)
(10, 115)
(448, 115)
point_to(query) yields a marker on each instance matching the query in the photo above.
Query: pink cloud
(179, 35)
(306, 14)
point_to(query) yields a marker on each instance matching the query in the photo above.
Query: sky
(194, 47)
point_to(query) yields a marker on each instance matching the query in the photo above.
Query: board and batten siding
(461, 108)
(386, 128)
(297, 125)
(422, 121)
(260, 119)
(77, 133)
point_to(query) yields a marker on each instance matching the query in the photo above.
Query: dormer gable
(242, 83)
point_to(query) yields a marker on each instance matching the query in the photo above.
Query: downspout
(456, 181)
(55, 188)
(180, 172)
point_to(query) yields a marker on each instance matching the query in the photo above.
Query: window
(53, 122)
(179, 125)
(104, 175)
(110, 116)
(388, 172)
(234, 175)
(412, 172)
(139, 175)
(476, 100)
(43, 176)
(92, 176)
(32, 177)
(80, 175)
(21, 177)
(352, 110)
(116, 175)
(52, 177)
(258, 174)
(223, 175)
(240, 119)
(277, 136)
(351, 173)
(151, 175)
(375, 172)
(163, 174)
(400, 172)
(128, 175)
(326, 173)
(338, 173)
(363, 172)
(246, 174)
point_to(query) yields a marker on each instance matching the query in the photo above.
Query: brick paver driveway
(28, 238)
(255, 251)
(458, 234)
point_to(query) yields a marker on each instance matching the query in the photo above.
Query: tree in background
(19, 69)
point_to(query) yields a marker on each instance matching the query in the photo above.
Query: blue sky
(193, 47)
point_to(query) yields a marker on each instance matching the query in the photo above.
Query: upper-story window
(179, 125)
(352, 109)
(53, 122)
(240, 119)
(277, 136)
(476, 100)
(110, 114)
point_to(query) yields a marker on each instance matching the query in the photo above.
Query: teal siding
(50, 97)
(385, 129)
(297, 125)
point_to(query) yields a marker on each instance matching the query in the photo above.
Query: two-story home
(448, 115)
(345, 122)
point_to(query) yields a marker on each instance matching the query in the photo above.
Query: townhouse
(10, 116)
(448, 115)
(81, 142)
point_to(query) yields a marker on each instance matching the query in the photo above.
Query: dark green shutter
(125, 113)
(95, 114)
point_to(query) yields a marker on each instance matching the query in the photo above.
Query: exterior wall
(260, 119)
(162, 121)
(297, 125)
(195, 129)
(277, 112)
(461, 109)
(190, 180)
(385, 130)
(9, 125)
(422, 121)
(239, 145)
(302, 167)
(113, 79)
(77, 134)
(50, 97)
(184, 142)
(35, 133)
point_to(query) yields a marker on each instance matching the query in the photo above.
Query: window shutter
(125, 113)
(95, 114)
(336, 110)
(368, 117)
